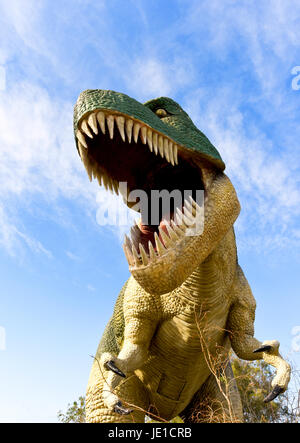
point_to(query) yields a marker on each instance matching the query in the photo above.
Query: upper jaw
(187, 136)
(116, 104)
(112, 123)
(125, 120)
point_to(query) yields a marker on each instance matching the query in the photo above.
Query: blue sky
(230, 66)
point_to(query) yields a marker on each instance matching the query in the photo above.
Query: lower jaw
(148, 231)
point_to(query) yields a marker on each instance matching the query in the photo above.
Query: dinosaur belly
(178, 363)
(192, 338)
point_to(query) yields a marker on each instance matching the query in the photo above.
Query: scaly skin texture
(183, 312)
(178, 126)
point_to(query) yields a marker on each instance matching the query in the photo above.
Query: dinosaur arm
(134, 352)
(141, 315)
(241, 327)
(241, 319)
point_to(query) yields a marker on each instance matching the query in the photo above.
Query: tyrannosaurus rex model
(187, 300)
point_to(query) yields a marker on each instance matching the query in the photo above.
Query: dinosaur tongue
(148, 231)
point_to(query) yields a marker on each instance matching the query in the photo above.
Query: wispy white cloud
(72, 256)
(91, 288)
(13, 239)
(265, 38)
(266, 182)
(151, 77)
(37, 143)
(256, 129)
(40, 158)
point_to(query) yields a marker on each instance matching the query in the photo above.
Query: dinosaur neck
(215, 272)
(202, 285)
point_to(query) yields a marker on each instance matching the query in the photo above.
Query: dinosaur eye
(161, 113)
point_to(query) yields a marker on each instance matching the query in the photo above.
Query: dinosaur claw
(112, 367)
(263, 349)
(273, 394)
(119, 409)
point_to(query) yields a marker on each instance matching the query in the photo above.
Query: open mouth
(117, 149)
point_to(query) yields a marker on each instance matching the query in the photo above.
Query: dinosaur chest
(195, 327)
(191, 335)
(196, 312)
(180, 353)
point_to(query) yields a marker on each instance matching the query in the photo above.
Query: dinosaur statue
(187, 302)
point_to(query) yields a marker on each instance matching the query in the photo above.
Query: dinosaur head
(154, 146)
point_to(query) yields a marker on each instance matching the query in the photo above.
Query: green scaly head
(150, 146)
(176, 125)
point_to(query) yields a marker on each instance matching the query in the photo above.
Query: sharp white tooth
(124, 191)
(144, 134)
(152, 253)
(199, 209)
(101, 120)
(144, 255)
(137, 223)
(188, 207)
(165, 238)
(176, 154)
(128, 242)
(149, 139)
(192, 200)
(159, 246)
(155, 142)
(186, 217)
(86, 129)
(128, 255)
(82, 150)
(171, 153)
(129, 125)
(177, 229)
(179, 217)
(136, 256)
(135, 234)
(105, 181)
(161, 145)
(173, 236)
(110, 123)
(94, 169)
(188, 221)
(81, 138)
(86, 161)
(116, 186)
(166, 149)
(188, 213)
(110, 185)
(120, 123)
(92, 121)
(136, 130)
